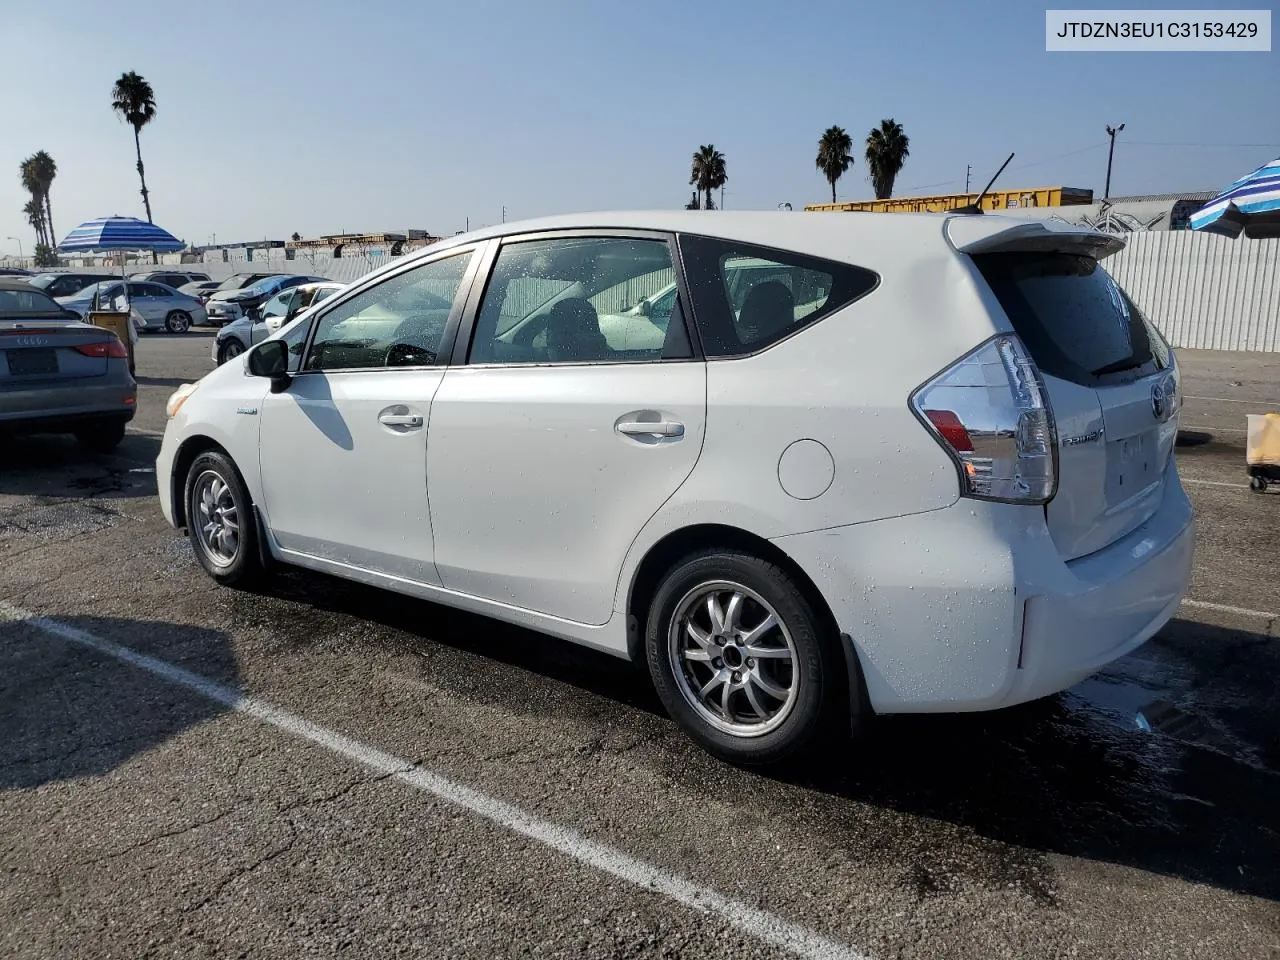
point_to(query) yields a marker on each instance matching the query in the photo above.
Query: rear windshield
(27, 301)
(1074, 319)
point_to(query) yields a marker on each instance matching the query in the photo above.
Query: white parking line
(758, 923)
(1256, 403)
(1214, 483)
(1227, 608)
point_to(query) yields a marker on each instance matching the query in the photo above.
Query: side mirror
(643, 308)
(271, 360)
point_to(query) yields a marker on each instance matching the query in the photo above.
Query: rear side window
(1074, 319)
(746, 297)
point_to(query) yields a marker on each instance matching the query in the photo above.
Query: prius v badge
(1089, 437)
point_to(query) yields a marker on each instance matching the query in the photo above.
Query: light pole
(19, 243)
(1111, 132)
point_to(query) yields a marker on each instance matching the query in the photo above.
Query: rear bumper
(972, 607)
(63, 408)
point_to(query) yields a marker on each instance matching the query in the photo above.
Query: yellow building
(995, 200)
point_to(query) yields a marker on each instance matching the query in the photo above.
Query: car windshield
(234, 282)
(103, 290)
(27, 301)
(43, 280)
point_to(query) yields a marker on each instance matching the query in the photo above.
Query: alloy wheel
(733, 659)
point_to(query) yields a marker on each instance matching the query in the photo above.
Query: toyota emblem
(1158, 404)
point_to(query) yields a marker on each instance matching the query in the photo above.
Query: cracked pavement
(138, 819)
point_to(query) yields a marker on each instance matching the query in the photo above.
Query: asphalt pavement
(320, 769)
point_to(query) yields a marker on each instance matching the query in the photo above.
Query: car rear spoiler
(975, 235)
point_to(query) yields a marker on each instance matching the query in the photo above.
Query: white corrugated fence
(1203, 291)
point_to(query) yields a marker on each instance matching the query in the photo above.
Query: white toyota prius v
(806, 466)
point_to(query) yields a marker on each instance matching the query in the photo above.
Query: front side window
(747, 298)
(578, 300)
(400, 322)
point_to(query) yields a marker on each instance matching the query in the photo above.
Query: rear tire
(177, 321)
(101, 438)
(230, 349)
(221, 522)
(1258, 484)
(748, 692)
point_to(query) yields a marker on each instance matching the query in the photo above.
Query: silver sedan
(161, 307)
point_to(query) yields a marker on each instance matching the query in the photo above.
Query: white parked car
(920, 463)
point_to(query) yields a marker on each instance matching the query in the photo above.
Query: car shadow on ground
(57, 467)
(1193, 796)
(424, 624)
(1167, 761)
(67, 711)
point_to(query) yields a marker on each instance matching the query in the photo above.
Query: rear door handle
(662, 428)
(400, 420)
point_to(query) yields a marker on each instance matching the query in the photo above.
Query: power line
(1060, 156)
(1160, 143)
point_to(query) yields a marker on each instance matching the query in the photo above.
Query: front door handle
(660, 428)
(400, 420)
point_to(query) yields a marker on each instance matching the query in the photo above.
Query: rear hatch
(1110, 376)
(34, 352)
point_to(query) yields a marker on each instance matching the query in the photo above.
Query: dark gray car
(58, 375)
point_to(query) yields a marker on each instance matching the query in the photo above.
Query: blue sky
(330, 116)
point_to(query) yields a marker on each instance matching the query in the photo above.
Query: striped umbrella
(1250, 206)
(118, 233)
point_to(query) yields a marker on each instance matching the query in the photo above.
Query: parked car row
(172, 300)
(229, 303)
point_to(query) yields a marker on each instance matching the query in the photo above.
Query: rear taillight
(111, 349)
(990, 412)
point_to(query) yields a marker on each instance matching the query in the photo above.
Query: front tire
(177, 321)
(741, 658)
(220, 521)
(229, 349)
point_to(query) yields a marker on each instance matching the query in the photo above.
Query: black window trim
(466, 333)
(460, 301)
(764, 251)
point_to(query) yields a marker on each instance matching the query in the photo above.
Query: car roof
(870, 238)
(18, 283)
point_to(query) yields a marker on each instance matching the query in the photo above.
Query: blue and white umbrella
(1250, 206)
(118, 233)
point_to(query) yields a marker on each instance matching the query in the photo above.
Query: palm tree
(46, 169)
(834, 156)
(135, 101)
(708, 172)
(886, 153)
(35, 216)
(34, 209)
